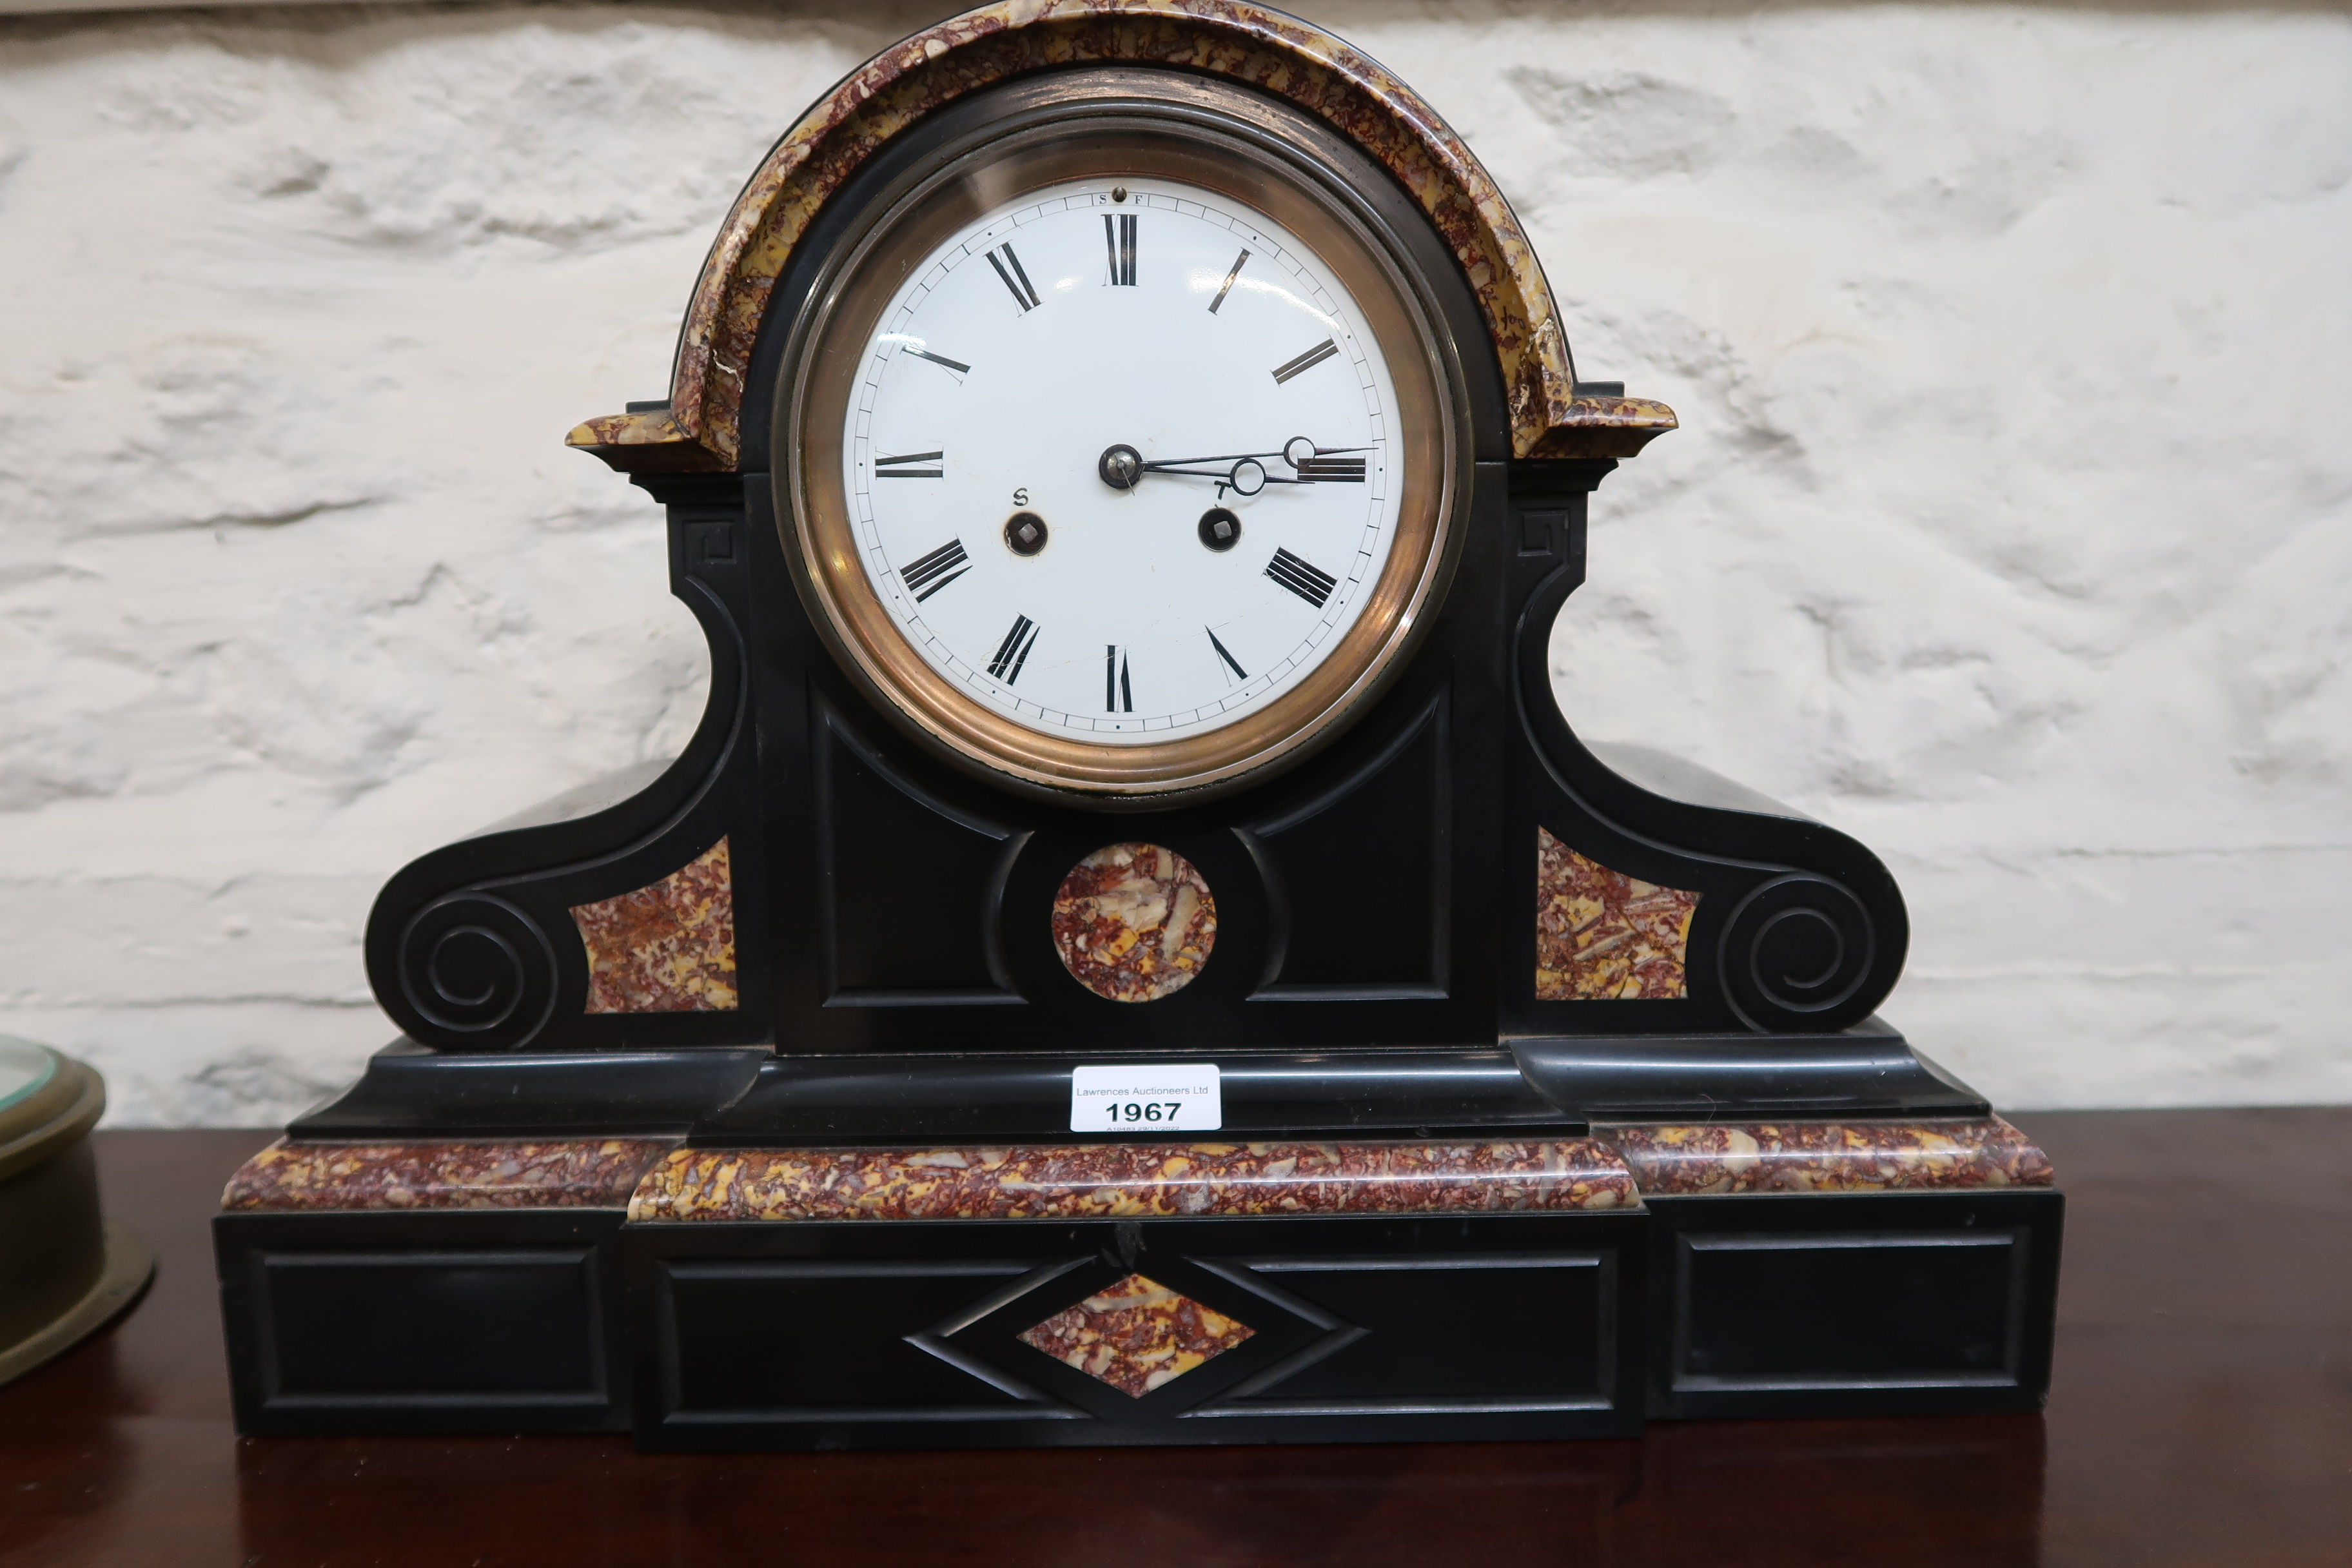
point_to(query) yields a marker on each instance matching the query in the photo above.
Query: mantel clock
(1134, 952)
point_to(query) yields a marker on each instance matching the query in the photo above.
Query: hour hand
(1245, 473)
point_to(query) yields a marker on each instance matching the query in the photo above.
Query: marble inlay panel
(1134, 922)
(586, 1172)
(1275, 53)
(1601, 934)
(667, 948)
(1132, 1180)
(1136, 1335)
(1828, 1157)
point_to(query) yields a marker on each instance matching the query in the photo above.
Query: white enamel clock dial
(1118, 460)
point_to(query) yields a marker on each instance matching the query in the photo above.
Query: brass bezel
(1091, 138)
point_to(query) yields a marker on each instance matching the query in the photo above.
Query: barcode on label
(1166, 1097)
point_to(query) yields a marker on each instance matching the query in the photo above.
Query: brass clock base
(130, 1266)
(65, 1270)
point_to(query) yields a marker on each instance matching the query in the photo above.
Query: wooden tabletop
(2203, 1415)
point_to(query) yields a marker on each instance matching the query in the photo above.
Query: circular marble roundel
(1134, 922)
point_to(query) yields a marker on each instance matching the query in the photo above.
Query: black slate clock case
(1373, 974)
(1378, 894)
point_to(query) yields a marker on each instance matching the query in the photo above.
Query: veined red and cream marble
(1249, 43)
(1828, 1157)
(1601, 934)
(1136, 1335)
(1134, 922)
(1124, 1181)
(589, 1173)
(666, 948)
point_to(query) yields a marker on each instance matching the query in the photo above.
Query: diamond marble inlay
(1136, 1335)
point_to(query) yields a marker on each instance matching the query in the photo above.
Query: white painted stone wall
(2010, 527)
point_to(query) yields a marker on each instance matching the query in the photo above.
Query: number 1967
(1144, 1110)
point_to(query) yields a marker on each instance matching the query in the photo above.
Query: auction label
(1170, 1097)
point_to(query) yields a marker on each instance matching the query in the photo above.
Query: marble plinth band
(581, 1173)
(1131, 1181)
(1621, 1163)
(1828, 1157)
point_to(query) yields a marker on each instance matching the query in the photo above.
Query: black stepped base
(447, 1321)
(841, 1100)
(743, 1096)
(1365, 1328)
(1867, 1070)
(1852, 1304)
(414, 1093)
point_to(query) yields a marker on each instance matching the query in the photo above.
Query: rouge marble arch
(1828, 1157)
(1136, 1335)
(1132, 1180)
(1601, 934)
(700, 429)
(665, 948)
(1134, 922)
(579, 1173)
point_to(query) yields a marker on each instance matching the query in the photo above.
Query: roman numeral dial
(1008, 270)
(1225, 656)
(1226, 287)
(929, 573)
(1332, 470)
(1118, 502)
(1013, 651)
(1290, 370)
(909, 466)
(1302, 577)
(1119, 239)
(1119, 690)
